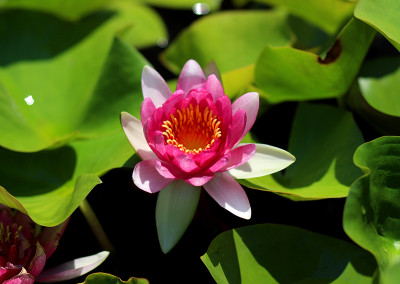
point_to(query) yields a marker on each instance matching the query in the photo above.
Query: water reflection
(162, 42)
(29, 100)
(201, 8)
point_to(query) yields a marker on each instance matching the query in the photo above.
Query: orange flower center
(192, 130)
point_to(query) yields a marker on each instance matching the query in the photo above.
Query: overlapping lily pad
(371, 216)
(72, 129)
(104, 278)
(379, 82)
(241, 35)
(329, 15)
(323, 140)
(71, 10)
(382, 15)
(283, 254)
(61, 75)
(288, 74)
(138, 24)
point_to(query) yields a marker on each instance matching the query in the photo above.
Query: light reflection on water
(162, 42)
(201, 8)
(29, 100)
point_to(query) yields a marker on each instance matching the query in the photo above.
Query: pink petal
(27, 224)
(49, 237)
(224, 109)
(170, 104)
(200, 179)
(72, 269)
(147, 109)
(199, 95)
(213, 85)
(181, 160)
(22, 278)
(134, 132)
(221, 163)
(151, 125)
(147, 178)
(207, 157)
(39, 260)
(191, 77)
(239, 156)
(154, 86)
(9, 271)
(250, 103)
(167, 170)
(237, 128)
(228, 193)
(159, 144)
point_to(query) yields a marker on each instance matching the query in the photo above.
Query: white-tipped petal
(176, 205)
(72, 269)
(146, 177)
(267, 160)
(134, 132)
(228, 193)
(191, 77)
(154, 86)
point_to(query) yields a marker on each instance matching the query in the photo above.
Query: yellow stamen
(192, 130)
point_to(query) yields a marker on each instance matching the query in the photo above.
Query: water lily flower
(25, 247)
(190, 139)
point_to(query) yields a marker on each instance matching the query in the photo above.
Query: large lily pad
(329, 15)
(71, 10)
(271, 253)
(323, 140)
(383, 16)
(139, 25)
(60, 74)
(379, 83)
(285, 73)
(232, 39)
(78, 118)
(372, 211)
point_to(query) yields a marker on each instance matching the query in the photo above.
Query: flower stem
(95, 226)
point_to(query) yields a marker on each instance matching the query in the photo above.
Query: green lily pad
(383, 16)
(232, 39)
(137, 24)
(60, 78)
(270, 253)
(184, 4)
(71, 9)
(379, 82)
(237, 82)
(372, 211)
(288, 74)
(323, 140)
(104, 278)
(383, 123)
(50, 184)
(330, 15)
(310, 37)
(391, 275)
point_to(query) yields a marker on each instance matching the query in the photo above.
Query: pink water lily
(24, 250)
(190, 138)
